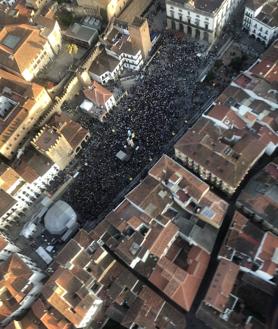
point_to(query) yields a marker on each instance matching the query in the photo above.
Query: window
(72, 310)
(95, 287)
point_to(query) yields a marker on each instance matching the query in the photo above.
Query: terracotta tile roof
(272, 170)
(207, 144)
(50, 318)
(97, 94)
(104, 63)
(28, 44)
(32, 165)
(6, 202)
(227, 116)
(249, 109)
(266, 69)
(3, 242)
(189, 186)
(14, 274)
(266, 253)
(24, 96)
(29, 321)
(231, 95)
(260, 196)
(134, 222)
(243, 80)
(60, 125)
(222, 285)
(8, 177)
(163, 240)
(166, 168)
(150, 196)
(152, 300)
(68, 295)
(258, 85)
(83, 238)
(179, 284)
(72, 253)
(126, 211)
(243, 239)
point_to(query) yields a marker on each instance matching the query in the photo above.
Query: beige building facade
(35, 4)
(60, 140)
(26, 49)
(106, 8)
(140, 35)
(21, 105)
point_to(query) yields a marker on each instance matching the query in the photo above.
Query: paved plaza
(166, 95)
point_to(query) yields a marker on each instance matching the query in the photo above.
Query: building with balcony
(261, 20)
(21, 105)
(126, 48)
(21, 185)
(200, 19)
(222, 154)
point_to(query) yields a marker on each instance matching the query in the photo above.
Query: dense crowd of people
(166, 94)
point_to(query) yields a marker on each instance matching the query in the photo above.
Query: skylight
(11, 41)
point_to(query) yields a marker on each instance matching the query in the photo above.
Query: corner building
(200, 19)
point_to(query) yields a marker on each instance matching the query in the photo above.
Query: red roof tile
(97, 94)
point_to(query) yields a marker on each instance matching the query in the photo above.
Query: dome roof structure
(59, 218)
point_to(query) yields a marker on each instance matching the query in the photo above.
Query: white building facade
(125, 61)
(199, 20)
(25, 194)
(261, 22)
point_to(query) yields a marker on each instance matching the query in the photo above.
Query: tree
(65, 18)
(237, 62)
(210, 76)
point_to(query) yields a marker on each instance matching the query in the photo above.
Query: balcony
(190, 23)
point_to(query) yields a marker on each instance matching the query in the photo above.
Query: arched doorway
(189, 30)
(181, 27)
(206, 36)
(197, 34)
(173, 24)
